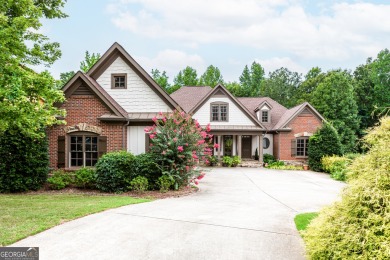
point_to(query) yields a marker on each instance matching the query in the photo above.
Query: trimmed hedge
(24, 162)
(114, 171)
(325, 141)
(358, 226)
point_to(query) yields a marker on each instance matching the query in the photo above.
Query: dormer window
(219, 112)
(264, 116)
(119, 81)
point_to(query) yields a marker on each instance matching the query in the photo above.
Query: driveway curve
(239, 213)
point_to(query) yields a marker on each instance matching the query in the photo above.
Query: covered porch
(238, 141)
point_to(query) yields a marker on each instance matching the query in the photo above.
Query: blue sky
(229, 34)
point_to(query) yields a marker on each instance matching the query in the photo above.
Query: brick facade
(300, 124)
(86, 109)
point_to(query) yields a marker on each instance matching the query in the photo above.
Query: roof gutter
(124, 127)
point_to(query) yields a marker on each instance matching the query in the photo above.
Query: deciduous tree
(211, 77)
(26, 97)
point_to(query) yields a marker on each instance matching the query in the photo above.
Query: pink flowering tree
(178, 143)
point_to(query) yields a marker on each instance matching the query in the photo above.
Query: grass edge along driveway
(23, 215)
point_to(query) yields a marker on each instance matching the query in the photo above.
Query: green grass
(304, 219)
(23, 215)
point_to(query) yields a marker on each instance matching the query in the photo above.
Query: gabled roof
(253, 103)
(291, 113)
(221, 88)
(72, 85)
(187, 97)
(115, 51)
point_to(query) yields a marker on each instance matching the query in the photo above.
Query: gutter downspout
(124, 127)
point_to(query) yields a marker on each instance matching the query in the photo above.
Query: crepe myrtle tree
(178, 143)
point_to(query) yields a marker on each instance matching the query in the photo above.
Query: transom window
(219, 112)
(302, 144)
(118, 81)
(264, 116)
(83, 150)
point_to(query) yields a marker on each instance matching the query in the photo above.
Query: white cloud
(172, 61)
(342, 32)
(275, 63)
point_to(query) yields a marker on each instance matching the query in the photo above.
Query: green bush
(325, 141)
(212, 160)
(85, 178)
(59, 180)
(236, 161)
(336, 166)
(227, 161)
(268, 158)
(24, 162)
(275, 164)
(139, 184)
(165, 182)
(114, 170)
(144, 165)
(358, 226)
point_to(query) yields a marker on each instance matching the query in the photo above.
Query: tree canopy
(85, 66)
(26, 97)
(211, 77)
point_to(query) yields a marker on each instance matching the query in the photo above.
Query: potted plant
(306, 167)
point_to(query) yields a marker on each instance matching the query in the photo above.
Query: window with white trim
(264, 116)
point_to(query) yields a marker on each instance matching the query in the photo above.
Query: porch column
(239, 139)
(219, 148)
(260, 148)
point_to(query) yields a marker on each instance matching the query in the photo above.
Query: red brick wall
(85, 109)
(276, 146)
(302, 123)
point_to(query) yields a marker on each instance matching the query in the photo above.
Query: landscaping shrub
(59, 180)
(177, 143)
(24, 162)
(227, 161)
(268, 158)
(325, 141)
(144, 165)
(212, 160)
(257, 154)
(236, 161)
(139, 184)
(85, 178)
(165, 182)
(275, 164)
(336, 166)
(114, 170)
(358, 226)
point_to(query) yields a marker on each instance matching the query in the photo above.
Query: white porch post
(239, 139)
(260, 148)
(219, 147)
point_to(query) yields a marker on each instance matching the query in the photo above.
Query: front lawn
(23, 215)
(304, 219)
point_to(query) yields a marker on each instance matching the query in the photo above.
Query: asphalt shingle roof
(188, 97)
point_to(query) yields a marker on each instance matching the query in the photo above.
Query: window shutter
(61, 152)
(102, 145)
(293, 148)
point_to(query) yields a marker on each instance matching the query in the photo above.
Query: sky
(169, 35)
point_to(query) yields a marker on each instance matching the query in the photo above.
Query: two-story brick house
(109, 107)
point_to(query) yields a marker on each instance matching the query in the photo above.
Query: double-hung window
(219, 112)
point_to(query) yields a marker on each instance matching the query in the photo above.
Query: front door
(246, 146)
(227, 145)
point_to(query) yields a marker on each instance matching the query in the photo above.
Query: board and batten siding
(138, 97)
(136, 139)
(236, 116)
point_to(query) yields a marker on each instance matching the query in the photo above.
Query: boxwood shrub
(114, 171)
(145, 165)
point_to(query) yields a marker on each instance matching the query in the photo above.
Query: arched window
(266, 143)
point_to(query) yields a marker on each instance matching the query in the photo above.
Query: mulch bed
(148, 194)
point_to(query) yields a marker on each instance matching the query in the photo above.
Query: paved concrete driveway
(239, 213)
